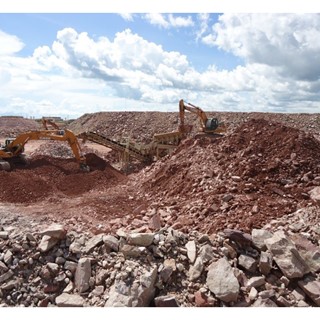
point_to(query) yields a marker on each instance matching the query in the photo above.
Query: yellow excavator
(207, 125)
(48, 122)
(12, 150)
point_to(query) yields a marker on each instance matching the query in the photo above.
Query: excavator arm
(16, 147)
(193, 109)
(46, 122)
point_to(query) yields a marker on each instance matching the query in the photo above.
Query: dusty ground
(259, 171)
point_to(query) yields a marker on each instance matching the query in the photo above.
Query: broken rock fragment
(259, 236)
(69, 300)
(47, 242)
(222, 281)
(312, 288)
(55, 231)
(286, 255)
(93, 242)
(191, 251)
(141, 239)
(83, 274)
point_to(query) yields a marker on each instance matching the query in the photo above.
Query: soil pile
(47, 176)
(261, 172)
(141, 126)
(15, 125)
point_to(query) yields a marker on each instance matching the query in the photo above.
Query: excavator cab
(8, 141)
(212, 124)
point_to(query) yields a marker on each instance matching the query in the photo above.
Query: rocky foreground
(276, 266)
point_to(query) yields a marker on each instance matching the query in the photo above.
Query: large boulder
(286, 255)
(222, 281)
(140, 239)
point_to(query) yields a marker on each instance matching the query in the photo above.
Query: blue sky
(68, 64)
(41, 29)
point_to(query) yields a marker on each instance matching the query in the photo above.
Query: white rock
(69, 300)
(47, 242)
(83, 274)
(311, 288)
(287, 256)
(141, 239)
(222, 281)
(206, 253)
(93, 242)
(253, 293)
(315, 194)
(196, 270)
(4, 235)
(191, 250)
(111, 242)
(259, 236)
(55, 231)
(256, 282)
(247, 262)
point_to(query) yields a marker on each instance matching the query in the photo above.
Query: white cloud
(169, 20)
(128, 60)
(180, 21)
(79, 73)
(157, 19)
(10, 44)
(127, 16)
(203, 19)
(288, 42)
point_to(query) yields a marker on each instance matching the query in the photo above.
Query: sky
(70, 63)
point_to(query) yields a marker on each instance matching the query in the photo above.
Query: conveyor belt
(114, 145)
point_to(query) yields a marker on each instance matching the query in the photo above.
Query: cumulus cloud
(127, 16)
(177, 21)
(169, 20)
(82, 74)
(10, 44)
(288, 42)
(203, 20)
(128, 62)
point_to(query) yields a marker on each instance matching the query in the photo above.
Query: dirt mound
(14, 125)
(47, 176)
(262, 171)
(141, 126)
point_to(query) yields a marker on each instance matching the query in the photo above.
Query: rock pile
(274, 267)
(55, 149)
(141, 126)
(264, 170)
(10, 126)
